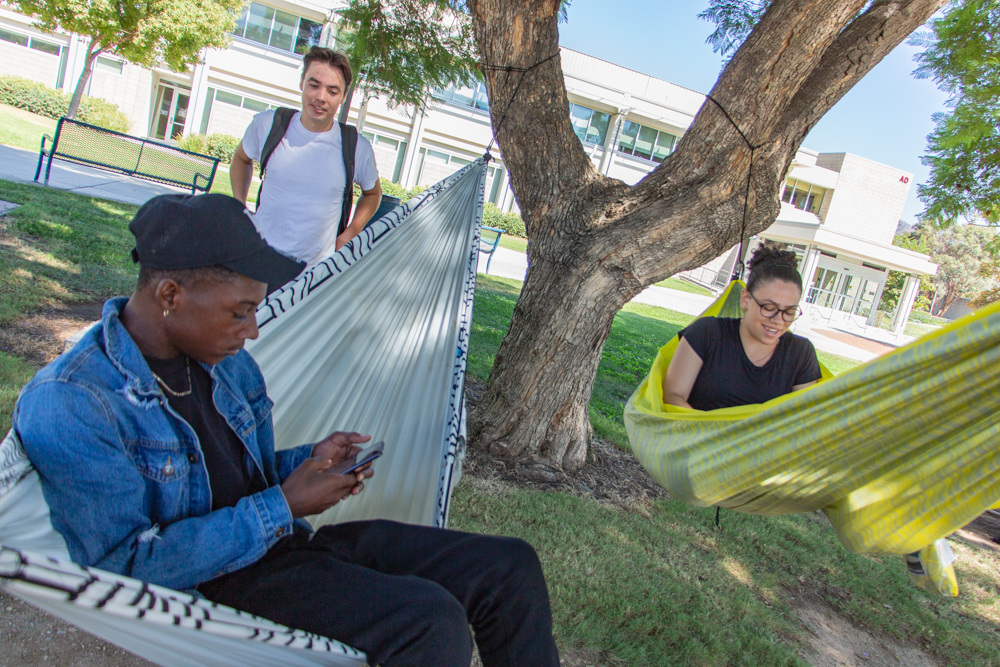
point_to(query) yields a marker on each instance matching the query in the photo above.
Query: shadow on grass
(60, 247)
(670, 589)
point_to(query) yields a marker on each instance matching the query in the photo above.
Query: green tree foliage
(734, 21)
(991, 272)
(917, 241)
(960, 252)
(400, 48)
(145, 33)
(962, 54)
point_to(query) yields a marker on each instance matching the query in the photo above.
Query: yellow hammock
(898, 453)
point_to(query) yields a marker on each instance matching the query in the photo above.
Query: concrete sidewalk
(17, 164)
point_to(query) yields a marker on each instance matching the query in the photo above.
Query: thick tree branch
(861, 46)
(798, 98)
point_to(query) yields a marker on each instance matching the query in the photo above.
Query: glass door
(171, 112)
(866, 300)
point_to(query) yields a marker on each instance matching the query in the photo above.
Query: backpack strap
(279, 125)
(349, 144)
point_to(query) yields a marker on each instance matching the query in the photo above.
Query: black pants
(405, 595)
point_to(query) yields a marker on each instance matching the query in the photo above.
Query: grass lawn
(663, 587)
(23, 129)
(58, 247)
(654, 585)
(515, 243)
(684, 286)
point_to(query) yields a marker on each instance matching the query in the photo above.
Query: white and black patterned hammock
(374, 339)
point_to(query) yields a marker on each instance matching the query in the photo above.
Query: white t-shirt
(300, 206)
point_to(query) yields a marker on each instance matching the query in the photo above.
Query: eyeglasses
(769, 310)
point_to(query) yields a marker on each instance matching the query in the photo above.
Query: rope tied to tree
(738, 267)
(508, 69)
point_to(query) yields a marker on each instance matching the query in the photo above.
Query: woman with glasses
(721, 362)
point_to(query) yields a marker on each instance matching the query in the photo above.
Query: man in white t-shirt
(299, 211)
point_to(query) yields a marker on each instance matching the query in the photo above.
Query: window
(389, 154)
(590, 126)
(45, 47)
(474, 97)
(239, 101)
(804, 196)
(30, 42)
(277, 29)
(13, 37)
(109, 65)
(645, 142)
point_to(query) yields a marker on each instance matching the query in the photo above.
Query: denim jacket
(124, 474)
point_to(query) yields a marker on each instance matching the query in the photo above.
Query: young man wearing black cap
(154, 444)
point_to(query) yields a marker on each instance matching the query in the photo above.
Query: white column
(412, 150)
(809, 264)
(878, 299)
(506, 199)
(609, 139)
(905, 305)
(199, 89)
(75, 59)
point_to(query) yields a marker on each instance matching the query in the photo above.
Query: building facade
(839, 211)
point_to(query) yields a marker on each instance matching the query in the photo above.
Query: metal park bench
(489, 239)
(124, 154)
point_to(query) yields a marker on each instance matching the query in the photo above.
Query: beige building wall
(130, 90)
(869, 198)
(22, 61)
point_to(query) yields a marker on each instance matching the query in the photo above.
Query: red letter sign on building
(904, 179)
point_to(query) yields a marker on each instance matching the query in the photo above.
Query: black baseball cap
(192, 231)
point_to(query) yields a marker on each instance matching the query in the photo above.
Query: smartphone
(364, 457)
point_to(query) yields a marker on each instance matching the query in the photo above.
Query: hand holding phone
(360, 460)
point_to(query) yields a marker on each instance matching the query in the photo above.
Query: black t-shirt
(223, 450)
(728, 377)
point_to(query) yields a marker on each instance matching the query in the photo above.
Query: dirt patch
(41, 336)
(833, 641)
(613, 477)
(983, 532)
(29, 636)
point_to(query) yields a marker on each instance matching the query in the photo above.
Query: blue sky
(886, 117)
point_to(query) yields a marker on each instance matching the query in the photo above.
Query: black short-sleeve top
(728, 377)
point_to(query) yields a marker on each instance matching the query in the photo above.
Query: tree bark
(594, 242)
(93, 50)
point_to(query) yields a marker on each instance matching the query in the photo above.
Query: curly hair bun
(770, 263)
(766, 254)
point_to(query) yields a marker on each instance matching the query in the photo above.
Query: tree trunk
(594, 242)
(950, 297)
(93, 50)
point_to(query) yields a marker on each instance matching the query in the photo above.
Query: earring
(166, 312)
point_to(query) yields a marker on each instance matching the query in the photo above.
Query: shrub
(221, 146)
(51, 103)
(192, 142)
(102, 113)
(393, 190)
(511, 223)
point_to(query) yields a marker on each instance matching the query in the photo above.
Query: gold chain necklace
(178, 394)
